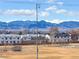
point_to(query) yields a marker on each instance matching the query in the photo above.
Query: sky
(54, 11)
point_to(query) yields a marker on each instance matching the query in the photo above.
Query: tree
(53, 31)
(74, 36)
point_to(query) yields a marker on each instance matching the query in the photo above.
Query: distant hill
(69, 24)
(41, 24)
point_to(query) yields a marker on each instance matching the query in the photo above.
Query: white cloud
(23, 12)
(16, 12)
(60, 3)
(67, 13)
(73, 13)
(44, 14)
(51, 1)
(61, 11)
(57, 21)
(56, 10)
(16, 0)
(51, 8)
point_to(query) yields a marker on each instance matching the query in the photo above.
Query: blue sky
(54, 11)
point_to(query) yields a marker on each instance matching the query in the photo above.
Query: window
(10, 38)
(2, 42)
(14, 42)
(18, 38)
(6, 41)
(17, 41)
(10, 41)
(2, 38)
(6, 38)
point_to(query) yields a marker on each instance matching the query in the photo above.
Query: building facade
(61, 37)
(11, 39)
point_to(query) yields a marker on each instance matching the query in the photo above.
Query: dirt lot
(45, 52)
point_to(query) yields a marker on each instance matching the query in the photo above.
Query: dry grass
(45, 52)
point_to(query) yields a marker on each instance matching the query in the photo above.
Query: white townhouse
(13, 38)
(61, 37)
(18, 39)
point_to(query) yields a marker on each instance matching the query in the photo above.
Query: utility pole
(37, 48)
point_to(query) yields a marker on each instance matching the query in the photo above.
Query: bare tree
(53, 31)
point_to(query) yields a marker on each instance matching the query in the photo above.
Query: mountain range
(39, 24)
